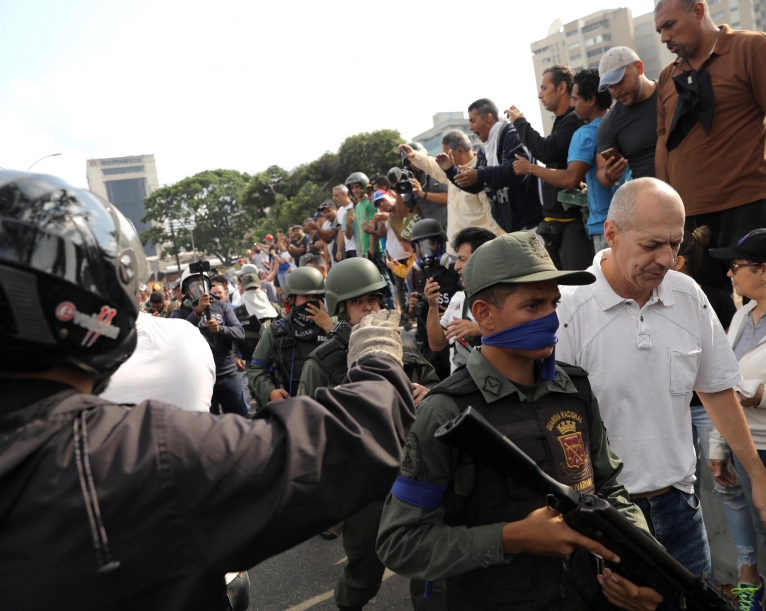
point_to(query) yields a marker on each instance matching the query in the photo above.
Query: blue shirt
(583, 148)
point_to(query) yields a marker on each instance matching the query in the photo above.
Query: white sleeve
(719, 449)
(566, 349)
(718, 367)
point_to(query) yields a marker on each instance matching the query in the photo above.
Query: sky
(247, 84)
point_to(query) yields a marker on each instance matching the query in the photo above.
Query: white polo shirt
(643, 365)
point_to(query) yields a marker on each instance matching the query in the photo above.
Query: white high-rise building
(125, 182)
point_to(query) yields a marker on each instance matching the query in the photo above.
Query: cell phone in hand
(609, 153)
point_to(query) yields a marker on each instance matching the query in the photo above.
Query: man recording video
(414, 187)
(207, 309)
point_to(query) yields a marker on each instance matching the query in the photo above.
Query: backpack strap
(461, 387)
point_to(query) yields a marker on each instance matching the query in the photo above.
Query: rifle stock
(642, 559)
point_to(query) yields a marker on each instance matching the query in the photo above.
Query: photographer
(416, 188)
(433, 264)
(456, 327)
(206, 309)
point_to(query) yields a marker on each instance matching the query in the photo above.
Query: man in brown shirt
(712, 154)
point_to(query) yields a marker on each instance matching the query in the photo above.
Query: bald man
(648, 337)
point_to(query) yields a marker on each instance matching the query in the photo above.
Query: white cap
(612, 66)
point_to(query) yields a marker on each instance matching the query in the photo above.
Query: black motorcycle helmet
(70, 268)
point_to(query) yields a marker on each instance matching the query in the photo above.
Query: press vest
(449, 284)
(253, 328)
(554, 432)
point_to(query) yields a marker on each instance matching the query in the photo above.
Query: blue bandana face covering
(533, 335)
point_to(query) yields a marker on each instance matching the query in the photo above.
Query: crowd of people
(158, 440)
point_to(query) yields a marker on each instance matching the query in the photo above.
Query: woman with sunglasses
(747, 336)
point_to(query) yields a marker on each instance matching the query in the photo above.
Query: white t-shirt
(349, 243)
(261, 261)
(454, 311)
(172, 363)
(643, 365)
(393, 247)
(327, 225)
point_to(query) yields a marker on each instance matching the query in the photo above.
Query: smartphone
(609, 153)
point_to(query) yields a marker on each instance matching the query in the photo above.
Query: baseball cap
(268, 237)
(248, 268)
(143, 287)
(752, 246)
(515, 258)
(612, 66)
(326, 205)
(378, 195)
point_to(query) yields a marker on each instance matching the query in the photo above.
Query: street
(304, 577)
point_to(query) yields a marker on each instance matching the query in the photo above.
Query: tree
(209, 204)
(168, 215)
(372, 153)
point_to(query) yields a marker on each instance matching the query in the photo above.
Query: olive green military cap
(250, 280)
(515, 258)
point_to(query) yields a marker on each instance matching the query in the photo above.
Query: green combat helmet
(352, 278)
(304, 281)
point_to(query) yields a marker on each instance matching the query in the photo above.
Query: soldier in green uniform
(494, 541)
(354, 289)
(275, 369)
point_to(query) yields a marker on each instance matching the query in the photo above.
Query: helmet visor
(196, 287)
(428, 247)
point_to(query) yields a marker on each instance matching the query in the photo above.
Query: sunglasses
(734, 267)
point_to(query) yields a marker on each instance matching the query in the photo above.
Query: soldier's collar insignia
(492, 386)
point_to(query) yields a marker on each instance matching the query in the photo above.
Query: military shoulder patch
(411, 460)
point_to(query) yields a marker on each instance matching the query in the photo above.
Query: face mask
(301, 326)
(533, 335)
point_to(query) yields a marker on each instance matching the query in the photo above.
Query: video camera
(400, 179)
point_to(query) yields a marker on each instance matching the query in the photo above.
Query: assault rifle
(642, 559)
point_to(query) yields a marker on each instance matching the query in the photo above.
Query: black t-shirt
(632, 130)
(302, 243)
(722, 304)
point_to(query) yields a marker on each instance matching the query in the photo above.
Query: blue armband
(419, 494)
(262, 365)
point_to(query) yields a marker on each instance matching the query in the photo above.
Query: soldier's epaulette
(459, 383)
(572, 370)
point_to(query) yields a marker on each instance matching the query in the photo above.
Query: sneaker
(749, 596)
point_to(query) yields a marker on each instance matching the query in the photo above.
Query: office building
(445, 122)
(125, 182)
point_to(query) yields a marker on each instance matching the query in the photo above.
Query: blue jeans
(675, 520)
(748, 522)
(227, 393)
(282, 276)
(735, 503)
